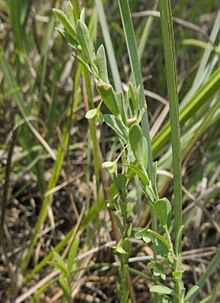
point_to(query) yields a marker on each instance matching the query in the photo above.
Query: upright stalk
(136, 72)
(170, 67)
(138, 80)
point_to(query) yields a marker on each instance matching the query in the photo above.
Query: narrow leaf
(133, 99)
(191, 292)
(178, 239)
(121, 105)
(62, 18)
(159, 237)
(141, 174)
(138, 144)
(162, 209)
(117, 125)
(120, 182)
(66, 289)
(101, 64)
(72, 254)
(61, 263)
(108, 96)
(70, 15)
(161, 289)
(85, 41)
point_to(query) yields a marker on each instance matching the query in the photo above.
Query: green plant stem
(170, 67)
(136, 72)
(137, 76)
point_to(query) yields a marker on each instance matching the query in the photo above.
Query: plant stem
(170, 67)
(136, 73)
(137, 76)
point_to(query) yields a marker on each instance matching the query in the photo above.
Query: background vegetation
(55, 192)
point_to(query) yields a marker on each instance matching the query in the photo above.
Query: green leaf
(120, 182)
(70, 15)
(129, 230)
(159, 237)
(72, 254)
(176, 274)
(145, 182)
(142, 234)
(126, 244)
(129, 209)
(158, 269)
(139, 234)
(101, 64)
(191, 292)
(85, 41)
(138, 144)
(141, 173)
(178, 239)
(119, 249)
(161, 248)
(91, 114)
(82, 15)
(161, 289)
(121, 105)
(60, 264)
(108, 96)
(133, 99)
(111, 166)
(117, 125)
(162, 209)
(65, 287)
(62, 18)
(148, 193)
(72, 43)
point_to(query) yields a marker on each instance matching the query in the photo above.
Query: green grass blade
(146, 33)
(207, 64)
(202, 96)
(16, 8)
(170, 67)
(214, 263)
(109, 46)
